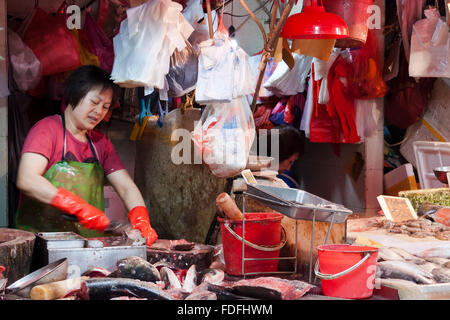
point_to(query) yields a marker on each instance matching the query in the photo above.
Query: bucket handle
(260, 247)
(340, 274)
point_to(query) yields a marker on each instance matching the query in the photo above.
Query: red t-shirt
(46, 138)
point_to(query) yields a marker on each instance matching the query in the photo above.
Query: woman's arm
(126, 188)
(30, 178)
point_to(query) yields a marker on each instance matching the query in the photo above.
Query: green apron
(86, 180)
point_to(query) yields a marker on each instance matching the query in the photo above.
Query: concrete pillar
(3, 121)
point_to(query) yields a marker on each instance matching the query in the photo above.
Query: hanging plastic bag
(146, 41)
(52, 43)
(25, 66)
(243, 82)
(430, 47)
(101, 45)
(182, 76)
(224, 136)
(287, 82)
(193, 11)
(254, 62)
(215, 70)
(366, 78)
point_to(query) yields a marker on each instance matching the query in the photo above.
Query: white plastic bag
(430, 47)
(193, 11)
(224, 136)
(182, 76)
(146, 41)
(307, 112)
(243, 82)
(288, 82)
(26, 68)
(321, 69)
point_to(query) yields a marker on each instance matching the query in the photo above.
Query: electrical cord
(246, 15)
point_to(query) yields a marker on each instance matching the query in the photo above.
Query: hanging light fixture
(314, 23)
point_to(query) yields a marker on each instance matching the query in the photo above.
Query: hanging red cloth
(341, 104)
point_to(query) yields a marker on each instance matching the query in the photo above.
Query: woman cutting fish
(64, 162)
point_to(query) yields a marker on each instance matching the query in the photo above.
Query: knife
(114, 228)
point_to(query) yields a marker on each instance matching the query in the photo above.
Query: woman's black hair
(85, 79)
(291, 141)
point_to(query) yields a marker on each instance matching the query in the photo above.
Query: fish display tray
(101, 252)
(54, 240)
(298, 204)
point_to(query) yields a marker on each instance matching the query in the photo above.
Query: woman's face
(92, 108)
(287, 163)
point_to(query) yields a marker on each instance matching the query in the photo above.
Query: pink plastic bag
(101, 45)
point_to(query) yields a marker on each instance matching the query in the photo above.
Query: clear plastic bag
(288, 82)
(182, 76)
(224, 136)
(430, 47)
(26, 67)
(145, 43)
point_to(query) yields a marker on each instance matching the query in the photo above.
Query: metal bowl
(441, 174)
(55, 271)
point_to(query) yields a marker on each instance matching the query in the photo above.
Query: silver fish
(440, 261)
(190, 281)
(386, 254)
(441, 275)
(427, 266)
(170, 279)
(202, 295)
(440, 252)
(213, 276)
(396, 269)
(405, 254)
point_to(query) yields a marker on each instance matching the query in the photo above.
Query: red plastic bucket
(347, 271)
(262, 240)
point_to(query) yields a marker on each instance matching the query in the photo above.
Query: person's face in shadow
(287, 163)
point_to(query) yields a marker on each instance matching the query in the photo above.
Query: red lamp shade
(314, 23)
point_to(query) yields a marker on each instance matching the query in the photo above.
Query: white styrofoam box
(114, 207)
(430, 155)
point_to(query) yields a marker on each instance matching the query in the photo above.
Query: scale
(296, 204)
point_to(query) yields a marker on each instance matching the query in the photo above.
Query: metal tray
(298, 204)
(101, 252)
(53, 240)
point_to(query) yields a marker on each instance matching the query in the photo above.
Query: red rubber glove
(89, 216)
(139, 219)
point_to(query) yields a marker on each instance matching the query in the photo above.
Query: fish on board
(214, 276)
(96, 272)
(170, 279)
(439, 252)
(202, 295)
(396, 269)
(137, 268)
(107, 288)
(271, 288)
(386, 254)
(441, 275)
(190, 281)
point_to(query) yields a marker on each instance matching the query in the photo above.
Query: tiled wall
(3, 123)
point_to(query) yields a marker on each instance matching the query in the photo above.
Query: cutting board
(200, 255)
